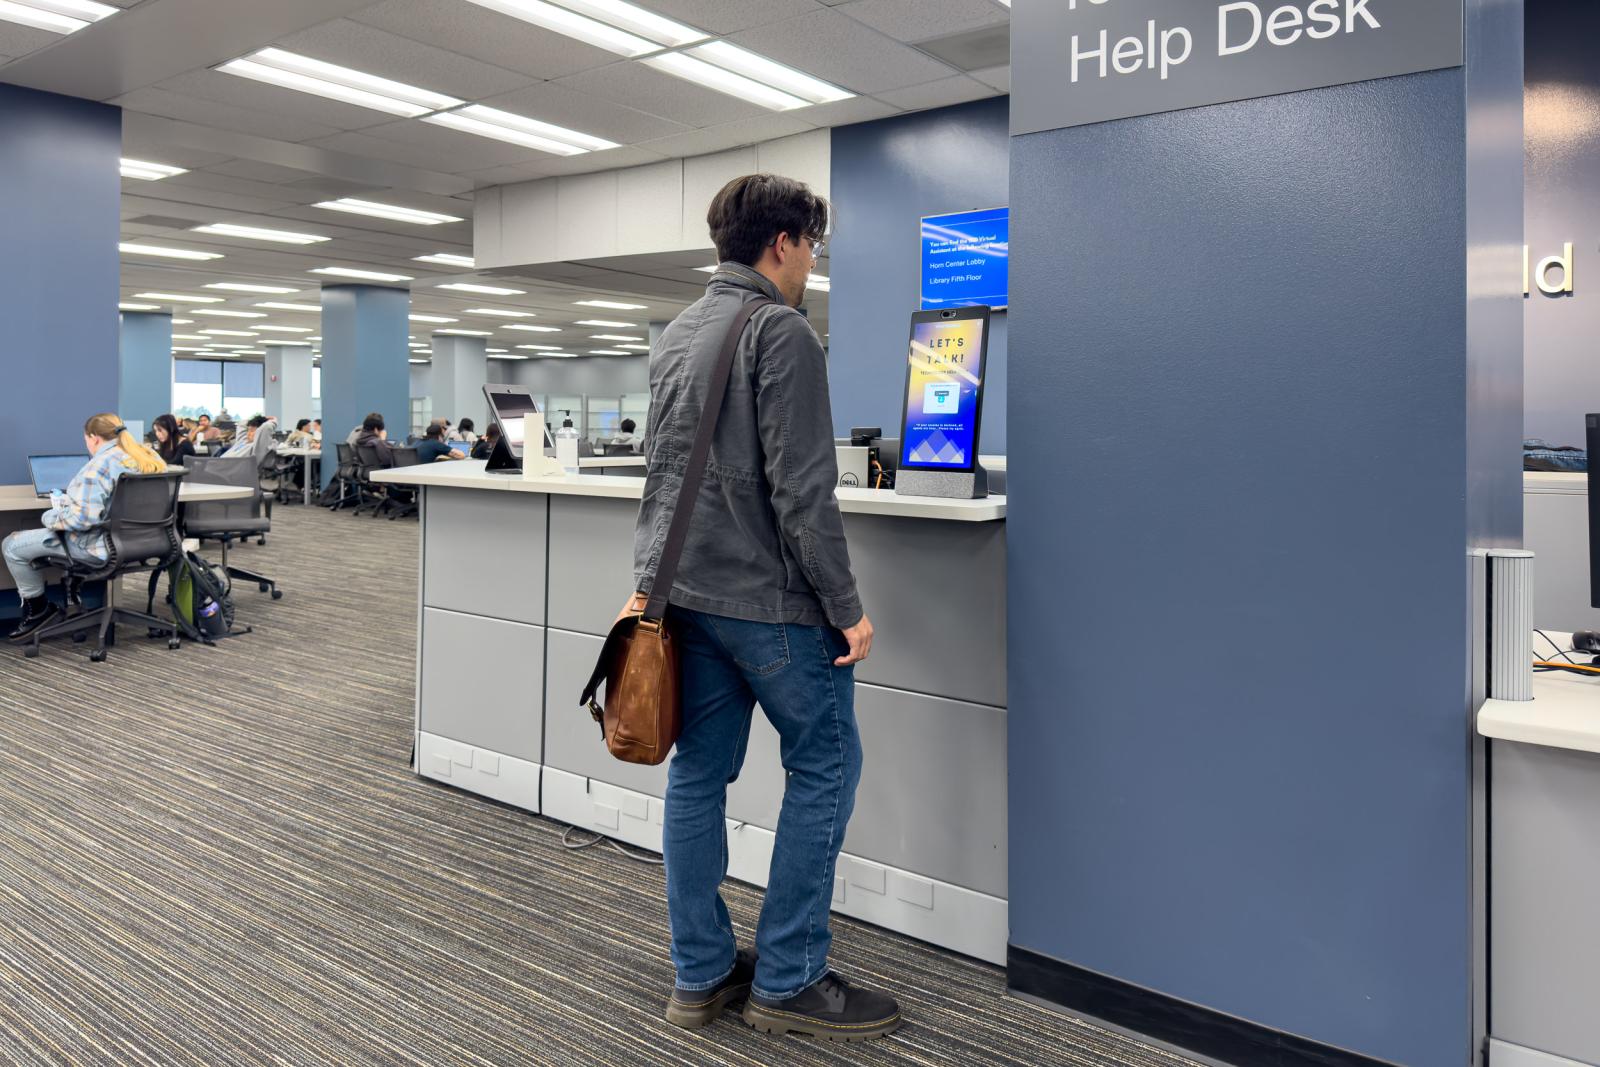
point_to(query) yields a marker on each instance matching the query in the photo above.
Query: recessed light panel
(487, 290)
(180, 298)
(533, 329)
(224, 313)
(393, 212)
(242, 287)
(612, 304)
(134, 248)
(149, 172)
(505, 313)
(616, 26)
(304, 74)
(604, 322)
(261, 233)
(57, 16)
(516, 129)
(447, 259)
(431, 318)
(276, 306)
(366, 275)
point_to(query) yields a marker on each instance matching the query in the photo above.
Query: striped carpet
(218, 856)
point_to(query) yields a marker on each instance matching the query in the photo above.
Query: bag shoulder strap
(699, 452)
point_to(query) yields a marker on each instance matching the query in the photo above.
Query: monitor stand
(949, 484)
(502, 460)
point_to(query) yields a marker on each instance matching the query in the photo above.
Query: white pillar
(460, 369)
(288, 382)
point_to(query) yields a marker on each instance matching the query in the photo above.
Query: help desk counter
(521, 578)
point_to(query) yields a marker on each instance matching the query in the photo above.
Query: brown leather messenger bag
(642, 713)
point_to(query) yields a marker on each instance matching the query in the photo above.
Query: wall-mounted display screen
(966, 259)
(944, 390)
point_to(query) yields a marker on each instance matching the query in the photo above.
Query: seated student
(628, 437)
(374, 435)
(171, 445)
(302, 437)
(316, 430)
(246, 445)
(433, 448)
(464, 433)
(76, 517)
(208, 433)
(485, 443)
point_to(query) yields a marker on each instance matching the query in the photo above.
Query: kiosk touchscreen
(944, 404)
(514, 411)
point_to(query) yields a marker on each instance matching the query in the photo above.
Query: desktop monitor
(944, 390)
(54, 473)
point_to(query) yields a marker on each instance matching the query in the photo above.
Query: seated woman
(171, 445)
(76, 517)
(485, 444)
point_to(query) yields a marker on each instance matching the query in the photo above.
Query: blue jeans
(729, 665)
(20, 550)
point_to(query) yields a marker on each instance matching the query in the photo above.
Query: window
(196, 387)
(244, 389)
(421, 413)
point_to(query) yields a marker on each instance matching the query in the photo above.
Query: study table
(311, 459)
(520, 580)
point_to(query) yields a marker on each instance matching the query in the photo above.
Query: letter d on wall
(1542, 273)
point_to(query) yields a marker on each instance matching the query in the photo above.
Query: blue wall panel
(59, 202)
(1238, 733)
(145, 366)
(886, 176)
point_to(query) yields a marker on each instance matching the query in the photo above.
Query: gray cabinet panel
(484, 553)
(936, 595)
(572, 740)
(591, 561)
(481, 682)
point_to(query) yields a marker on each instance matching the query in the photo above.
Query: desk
(1544, 874)
(520, 581)
(310, 456)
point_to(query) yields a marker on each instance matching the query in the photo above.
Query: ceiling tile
(216, 87)
(389, 55)
(843, 51)
(647, 89)
(450, 150)
(517, 172)
(154, 150)
(486, 35)
(258, 172)
(174, 191)
(729, 16)
(845, 112)
(610, 159)
(224, 116)
(18, 40)
(729, 135)
(998, 77)
(941, 93)
(918, 20)
(550, 102)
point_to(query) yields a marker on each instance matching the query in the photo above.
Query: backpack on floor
(202, 598)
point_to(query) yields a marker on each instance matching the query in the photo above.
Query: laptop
(54, 473)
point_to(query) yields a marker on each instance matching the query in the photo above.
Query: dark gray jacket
(766, 541)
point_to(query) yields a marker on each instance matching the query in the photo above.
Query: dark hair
(372, 423)
(302, 424)
(465, 426)
(168, 449)
(628, 425)
(203, 415)
(493, 431)
(256, 420)
(434, 430)
(750, 211)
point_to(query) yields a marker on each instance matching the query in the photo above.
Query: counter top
(1564, 713)
(1571, 483)
(22, 497)
(469, 474)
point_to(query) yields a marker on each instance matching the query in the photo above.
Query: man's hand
(634, 606)
(860, 638)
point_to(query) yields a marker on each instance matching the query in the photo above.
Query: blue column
(365, 362)
(146, 366)
(60, 198)
(460, 368)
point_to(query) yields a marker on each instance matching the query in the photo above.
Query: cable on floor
(568, 843)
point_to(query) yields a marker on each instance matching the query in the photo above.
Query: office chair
(347, 476)
(620, 450)
(372, 496)
(141, 535)
(402, 503)
(233, 520)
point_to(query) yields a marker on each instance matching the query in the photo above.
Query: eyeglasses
(817, 247)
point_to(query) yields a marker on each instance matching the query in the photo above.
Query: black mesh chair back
(142, 521)
(347, 460)
(368, 459)
(239, 516)
(620, 450)
(406, 456)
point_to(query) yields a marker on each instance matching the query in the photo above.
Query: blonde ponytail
(139, 458)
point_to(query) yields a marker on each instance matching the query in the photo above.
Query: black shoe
(700, 1007)
(830, 1008)
(37, 614)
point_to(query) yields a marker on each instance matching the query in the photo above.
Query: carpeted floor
(219, 856)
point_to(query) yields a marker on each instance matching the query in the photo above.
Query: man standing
(764, 608)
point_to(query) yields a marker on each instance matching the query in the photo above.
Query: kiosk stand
(511, 407)
(939, 429)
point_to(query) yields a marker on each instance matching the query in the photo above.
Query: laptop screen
(54, 473)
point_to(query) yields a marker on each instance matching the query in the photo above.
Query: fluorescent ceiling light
(606, 352)
(149, 172)
(708, 270)
(182, 322)
(542, 348)
(530, 133)
(447, 259)
(226, 314)
(307, 75)
(261, 233)
(614, 337)
(604, 322)
(726, 81)
(188, 337)
(393, 212)
(368, 275)
(179, 298)
(227, 333)
(635, 348)
(496, 351)
(241, 287)
(57, 16)
(431, 318)
(416, 361)
(612, 304)
(186, 348)
(418, 344)
(819, 282)
(228, 347)
(533, 329)
(502, 312)
(276, 306)
(138, 307)
(466, 333)
(509, 356)
(133, 248)
(758, 68)
(616, 26)
(283, 329)
(487, 290)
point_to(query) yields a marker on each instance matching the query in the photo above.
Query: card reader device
(943, 412)
(513, 410)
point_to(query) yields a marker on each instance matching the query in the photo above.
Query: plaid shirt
(80, 512)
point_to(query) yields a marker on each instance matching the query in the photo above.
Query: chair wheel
(79, 638)
(173, 643)
(31, 651)
(155, 631)
(263, 586)
(277, 594)
(98, 656)
(261, 540)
